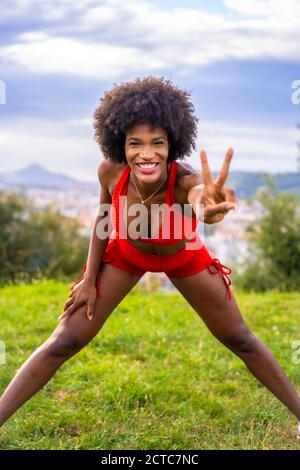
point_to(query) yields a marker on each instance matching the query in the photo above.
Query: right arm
(85, 290)
(97, 246)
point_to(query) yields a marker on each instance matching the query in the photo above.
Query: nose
(147, 154)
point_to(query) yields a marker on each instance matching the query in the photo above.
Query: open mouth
(148, 166)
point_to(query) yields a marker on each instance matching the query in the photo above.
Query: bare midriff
(155, 248)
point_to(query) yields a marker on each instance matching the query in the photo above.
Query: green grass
(153, 378)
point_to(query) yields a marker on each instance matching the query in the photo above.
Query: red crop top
(178, 220)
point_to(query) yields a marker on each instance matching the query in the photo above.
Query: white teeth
(147, 165)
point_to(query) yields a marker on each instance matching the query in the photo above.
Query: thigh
(115, 284)
(207, 294)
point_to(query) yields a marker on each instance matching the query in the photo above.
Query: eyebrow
(154, 138)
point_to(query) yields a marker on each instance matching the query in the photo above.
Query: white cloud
(60, 146)
(267, 8)
(118, 38)
(41, 10)
(256, 148)
(68, 146)
(71, 56)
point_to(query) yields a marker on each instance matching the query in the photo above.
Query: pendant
(143, 202)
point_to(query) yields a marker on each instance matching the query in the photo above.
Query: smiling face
(147, 151)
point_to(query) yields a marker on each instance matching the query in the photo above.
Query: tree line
(37, 243)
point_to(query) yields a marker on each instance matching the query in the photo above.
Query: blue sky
(238, 59)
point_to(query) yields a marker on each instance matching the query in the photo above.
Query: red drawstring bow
(221, 268)
(98, 280)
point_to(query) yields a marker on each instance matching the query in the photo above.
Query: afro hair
(150, 100)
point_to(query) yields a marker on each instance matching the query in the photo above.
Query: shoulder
(108, 173)
(186, 178)
(184, 170)
(105, 171)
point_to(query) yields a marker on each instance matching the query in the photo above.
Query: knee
(241, 341)
(62, 345)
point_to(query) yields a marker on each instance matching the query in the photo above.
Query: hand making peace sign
(217, 199)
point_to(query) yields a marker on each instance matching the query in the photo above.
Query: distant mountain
(37, 176)
(243, 182)
(246, 183)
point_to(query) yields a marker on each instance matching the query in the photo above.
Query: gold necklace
(145, 200)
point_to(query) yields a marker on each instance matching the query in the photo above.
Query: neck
(146, 189)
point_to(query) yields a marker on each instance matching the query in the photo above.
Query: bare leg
(207, 295)
(70, 336)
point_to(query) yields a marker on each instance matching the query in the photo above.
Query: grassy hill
(153, 378)
(245, 183)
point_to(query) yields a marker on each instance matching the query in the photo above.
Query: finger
(68, 303)
(224, 172)
(221, 208)
(90, 310)
(198, 208)
(230, 196)
(63, 315)
(74, 288)
(68, 311)
(206, 173)
(215, 219)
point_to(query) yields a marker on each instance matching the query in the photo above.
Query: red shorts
(120, 253)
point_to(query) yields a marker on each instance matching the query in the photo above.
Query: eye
(133, 143)
(158, 143)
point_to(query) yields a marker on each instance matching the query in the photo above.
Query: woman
(144, 128)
